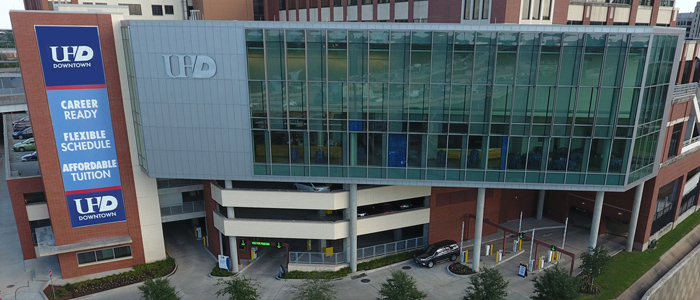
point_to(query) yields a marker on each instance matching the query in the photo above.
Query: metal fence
(362, 253)
(184, 208)
(12, 91)
(390, 248)
(317, 258)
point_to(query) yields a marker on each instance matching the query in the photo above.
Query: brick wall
(19, 187)
(23, 25)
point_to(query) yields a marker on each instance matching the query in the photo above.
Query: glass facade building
(578, 108)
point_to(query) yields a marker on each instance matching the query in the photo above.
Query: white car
(312, 187)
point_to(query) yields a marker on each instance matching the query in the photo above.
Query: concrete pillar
(321, 245)
(426, 231)
(228, 184)
(478, 228)
(352, 232)
(595, 223)
(398, 234)
(234, 253)
(221, 243)
(634, 217)
(540, 205)
(230, 212)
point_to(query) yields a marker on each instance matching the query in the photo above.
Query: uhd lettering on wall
(71, 58)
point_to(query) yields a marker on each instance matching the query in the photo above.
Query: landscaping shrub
(460, 269)
(219, 272)
(386, 260)
(317, 274)
(140, 273)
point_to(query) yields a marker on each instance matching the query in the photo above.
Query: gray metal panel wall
(193, 127)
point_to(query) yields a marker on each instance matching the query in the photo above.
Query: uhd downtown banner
(71, 58)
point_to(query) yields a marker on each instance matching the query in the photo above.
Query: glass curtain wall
(464, 106)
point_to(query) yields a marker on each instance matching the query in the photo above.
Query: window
(169, 10)
(103, 254)
(38, 197)
(157, 10)
(675, 140)
(134, 9)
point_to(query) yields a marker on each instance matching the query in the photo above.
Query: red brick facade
(23, 25)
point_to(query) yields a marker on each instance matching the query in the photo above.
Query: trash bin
(652, 244)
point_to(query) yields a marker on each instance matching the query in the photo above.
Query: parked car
(20, 126)
(437, 252)
(30, 157)
(24, 133)
(27, 144)
(313, 187)
(24, 120)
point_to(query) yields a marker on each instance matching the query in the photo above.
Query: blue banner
(71, 59)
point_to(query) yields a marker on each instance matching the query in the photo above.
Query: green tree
(593, 264)
(239, 289)
(316, 289)
(158, 289)
(487, 285)
(555, 284)
(400, 286)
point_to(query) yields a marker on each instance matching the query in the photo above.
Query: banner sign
(71, 59)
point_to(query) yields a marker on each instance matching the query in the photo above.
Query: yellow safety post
(252, 254)
(539, 263)
(466, 255)
(497, 257)
(520, 245)
(491, 250)
(204, 240)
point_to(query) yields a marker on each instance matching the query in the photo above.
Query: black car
(22, 134)
(30, 157)
(437, 252)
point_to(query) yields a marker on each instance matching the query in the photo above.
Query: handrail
(322, 258)
(184, 208)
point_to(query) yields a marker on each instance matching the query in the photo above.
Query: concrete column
(352, 232)
(595, 223)
(540, 205)
(321, 245)
(221, 243)
(230, 212)
(634, 217)
(478, 228)
(234, 253)
(228, 184)
(398, 234)
(426, 231)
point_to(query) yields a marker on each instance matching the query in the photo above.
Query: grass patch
(364, 266)
(626, 268)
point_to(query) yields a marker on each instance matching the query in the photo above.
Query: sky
(7, 5)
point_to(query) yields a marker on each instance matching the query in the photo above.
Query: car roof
(444, 243)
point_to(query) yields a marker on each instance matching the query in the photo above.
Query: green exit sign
(260, 243)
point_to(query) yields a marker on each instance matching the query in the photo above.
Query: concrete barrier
(680, 283)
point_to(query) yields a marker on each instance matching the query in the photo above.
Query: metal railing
(691, 141)
(12, 91)
(317, 258)
(390, 248)
(687, 89)
(184, 208)
(362, 253)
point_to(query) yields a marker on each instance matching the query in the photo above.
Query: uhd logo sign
(195, 66)
(69, 57)
(96, 204)
(72, 53)
(96, 208)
